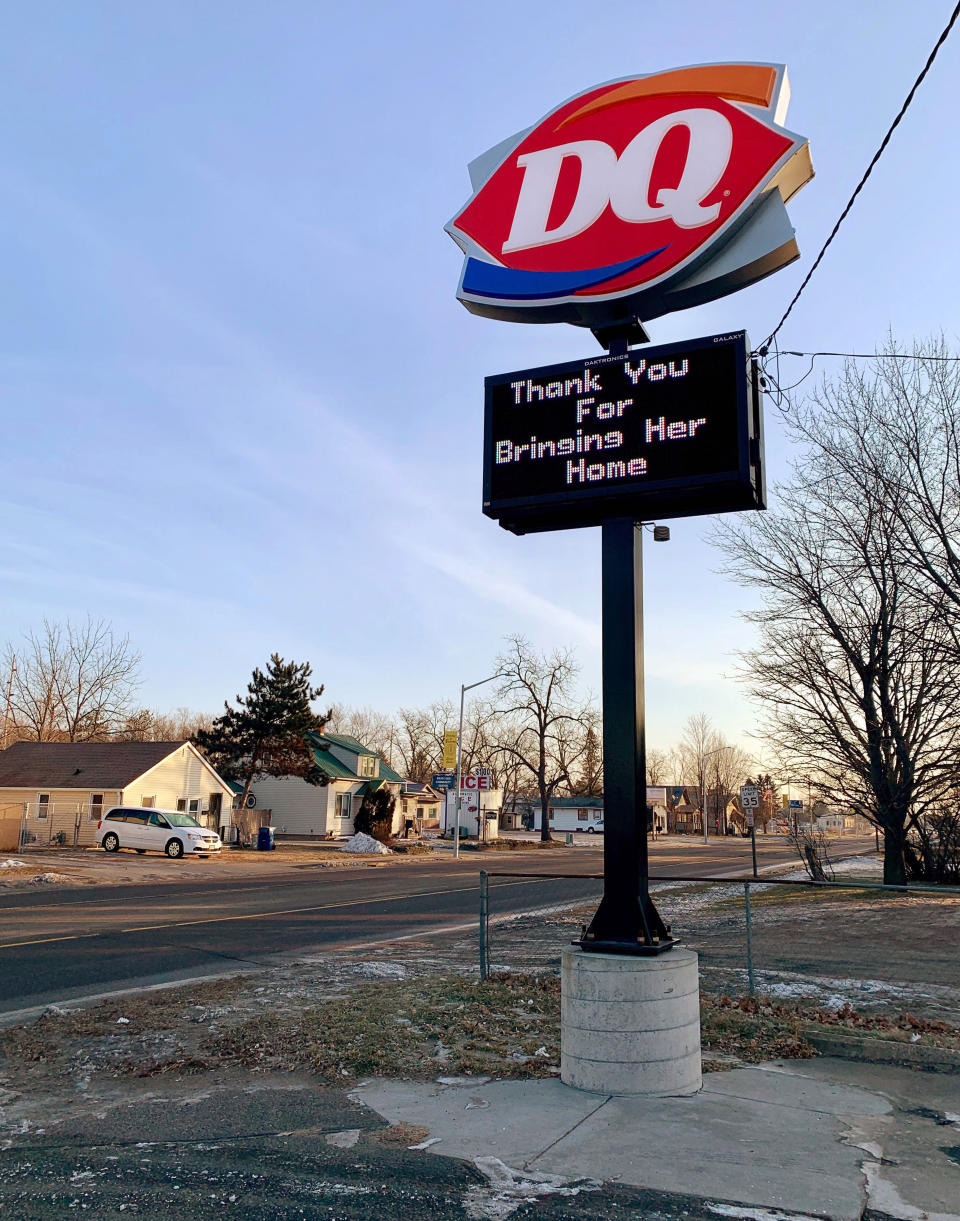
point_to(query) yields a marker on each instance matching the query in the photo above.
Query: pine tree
(265, 734)
(375, 816)
(591, 769)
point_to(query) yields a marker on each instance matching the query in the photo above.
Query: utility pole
(6, 709)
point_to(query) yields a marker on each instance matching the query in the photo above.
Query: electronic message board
(667, 431)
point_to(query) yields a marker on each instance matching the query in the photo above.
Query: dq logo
(636, 197)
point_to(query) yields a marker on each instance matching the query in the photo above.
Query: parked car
(596, 825)
(151, 830)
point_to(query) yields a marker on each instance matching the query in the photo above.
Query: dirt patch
(400, 1135)
(93, 867)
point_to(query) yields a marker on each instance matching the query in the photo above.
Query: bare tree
(855, 665)
(727, 768)
(538, 723)
(145, 725)
(73, 682)
(372, 728)
(698, 741)
(419, 739)
(893, 430)
(658, 766)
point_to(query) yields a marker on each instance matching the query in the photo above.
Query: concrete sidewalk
(827, 1137)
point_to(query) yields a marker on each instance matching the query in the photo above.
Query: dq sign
(635, 198)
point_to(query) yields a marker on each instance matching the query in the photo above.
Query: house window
(182, 804)
(367, 766)
(344, 805)
(147, 803)
(582, 816)
(43, 805)
(96, 807)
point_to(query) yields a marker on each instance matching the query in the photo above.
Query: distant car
(149, 830)
(594, 826)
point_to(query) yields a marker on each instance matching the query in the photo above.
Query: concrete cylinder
(629, 1024)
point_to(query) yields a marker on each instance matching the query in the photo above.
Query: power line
(869, 170)
(873, 355)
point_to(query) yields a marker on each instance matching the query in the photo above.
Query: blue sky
(242, 409)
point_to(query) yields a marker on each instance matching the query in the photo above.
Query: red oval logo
(627, 193)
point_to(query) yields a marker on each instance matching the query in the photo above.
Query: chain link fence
(848, 941)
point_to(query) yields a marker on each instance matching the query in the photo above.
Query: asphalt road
(57, 946)
(282, 1149)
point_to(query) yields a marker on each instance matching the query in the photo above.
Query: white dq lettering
(623, 182)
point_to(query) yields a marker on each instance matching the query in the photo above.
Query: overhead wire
(945, 33)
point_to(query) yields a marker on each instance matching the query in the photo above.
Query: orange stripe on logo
(752, 83)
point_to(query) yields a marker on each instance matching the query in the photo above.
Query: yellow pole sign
(449, 749)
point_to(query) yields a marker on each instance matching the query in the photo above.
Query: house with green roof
(318, 811)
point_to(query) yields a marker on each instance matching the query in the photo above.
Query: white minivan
(151, 830)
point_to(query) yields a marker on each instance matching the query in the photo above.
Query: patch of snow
(860, 864)
(381, 970)
(123, 1021)
(343, 1140)
(365, 843)
(507, 1189)
(831, 993)
(425, 1144)
(51, 879)
(326, 1188)
(10, 863)
(462, 1080)
(755, 1214)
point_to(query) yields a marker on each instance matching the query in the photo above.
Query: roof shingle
(79, 765)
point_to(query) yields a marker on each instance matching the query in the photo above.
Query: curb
(884, 1051)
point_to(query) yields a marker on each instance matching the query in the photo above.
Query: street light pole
(708, 755)
(464, 688)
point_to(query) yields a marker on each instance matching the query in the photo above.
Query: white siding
(298, 808)
(183, 774)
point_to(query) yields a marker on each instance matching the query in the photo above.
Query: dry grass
(508, 1027)
(415, 1028)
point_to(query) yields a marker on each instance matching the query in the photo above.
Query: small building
(586, 813)
(479, 810)
(421, 803)
(59, 790)
(322, 811)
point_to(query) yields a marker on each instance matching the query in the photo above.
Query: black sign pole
(626, 921)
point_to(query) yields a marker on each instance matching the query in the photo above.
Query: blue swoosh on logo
(491, 280)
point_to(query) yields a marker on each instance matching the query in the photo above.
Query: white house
(57, 791)
(318, 811)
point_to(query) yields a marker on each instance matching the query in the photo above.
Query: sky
(241, 407)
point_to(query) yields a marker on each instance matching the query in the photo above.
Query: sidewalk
(818, 1137)
(827, 1137)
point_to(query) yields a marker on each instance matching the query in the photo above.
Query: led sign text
(663, 433)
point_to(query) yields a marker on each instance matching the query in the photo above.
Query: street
(61, 945)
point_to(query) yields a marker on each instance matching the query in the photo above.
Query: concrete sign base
(630, 1025)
